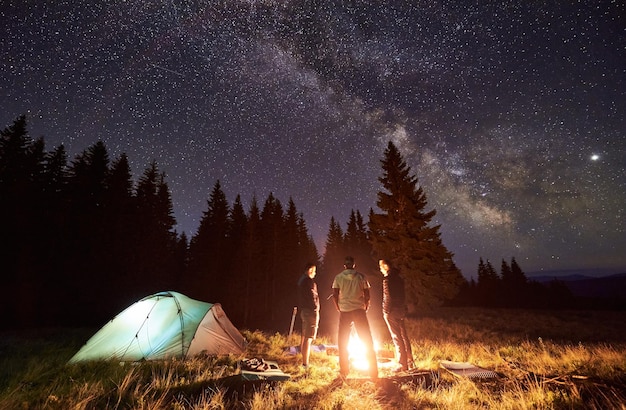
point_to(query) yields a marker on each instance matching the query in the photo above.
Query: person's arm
(311, 294)
(336, 298)
(366, 297)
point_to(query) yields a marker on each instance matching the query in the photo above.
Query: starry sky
(510, 113)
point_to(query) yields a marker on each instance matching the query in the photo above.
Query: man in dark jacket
(394, 313)
(309, 306)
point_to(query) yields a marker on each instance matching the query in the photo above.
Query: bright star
(595, 157)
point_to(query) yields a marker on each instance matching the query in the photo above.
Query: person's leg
(310, 320)
(303, 352)
(343, 337)
(407, 344)
(305, 348)
(394, 323)
(363, 330)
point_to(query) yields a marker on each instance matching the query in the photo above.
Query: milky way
(510, 114)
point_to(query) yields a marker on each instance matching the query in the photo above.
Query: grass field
(544, 360)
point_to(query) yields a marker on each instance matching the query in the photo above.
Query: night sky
(511, 114)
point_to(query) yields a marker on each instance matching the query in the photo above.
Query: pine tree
(251, 256)
(181, 262)
(505, 272)
(508, 294)
(518, 277)
(515, 285)
(121, 235)
(88, 232)
(236, 285)
(308, 249)
(402, 232)
(489, 284)
(272, 231)
(209, 247)
(356, 243)
(293, 260)
(291, 245)
(332, 264)
(21, 215)
(335, 252)
(156, 236)
(55, 232)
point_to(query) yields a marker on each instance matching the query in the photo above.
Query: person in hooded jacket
(394, 313)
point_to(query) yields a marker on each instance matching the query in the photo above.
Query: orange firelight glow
(357, 352)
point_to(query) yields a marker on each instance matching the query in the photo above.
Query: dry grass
(546, 360)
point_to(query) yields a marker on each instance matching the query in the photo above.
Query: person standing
(309, 306)
(351, 294)
(394, 313)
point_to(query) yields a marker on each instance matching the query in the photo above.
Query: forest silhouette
(81, 240)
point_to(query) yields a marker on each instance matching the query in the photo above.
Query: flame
(357, 353)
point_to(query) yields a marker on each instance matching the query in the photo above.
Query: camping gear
(259, 369)
(164, 325)
(468, 370)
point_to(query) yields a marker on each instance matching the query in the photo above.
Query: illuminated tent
(164, 325)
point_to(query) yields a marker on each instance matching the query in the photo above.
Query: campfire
(358, 357)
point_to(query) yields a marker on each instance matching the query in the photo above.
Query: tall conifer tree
(356, 243)
(157, 238)
(121, 235)
(250, 259)
(209, 247)
(236, 285)
(272, 231)
(332, 264)
(21, 169)
(402, 232)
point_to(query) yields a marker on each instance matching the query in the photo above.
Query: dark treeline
(80, 241)
(510, 288)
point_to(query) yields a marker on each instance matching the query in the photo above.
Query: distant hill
(580, 284)
(565, 273)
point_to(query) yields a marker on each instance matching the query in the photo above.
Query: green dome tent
(164, 325)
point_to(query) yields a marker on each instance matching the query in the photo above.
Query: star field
(510, 114)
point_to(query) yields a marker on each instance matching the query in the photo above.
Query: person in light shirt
(351, 295)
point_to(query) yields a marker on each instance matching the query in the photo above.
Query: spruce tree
(272, 231)
(308, 249)
(402, 232)
(518, 277)
(121, 235)
(335, 252)
(156, 236)
(181, 262)
(21, 214)
(516, 285)
(55, 232)
(356, 243)
(249, 265)
(236, 285)
(209, 247)
(87, 266)
(332, 264)
(291, 245)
